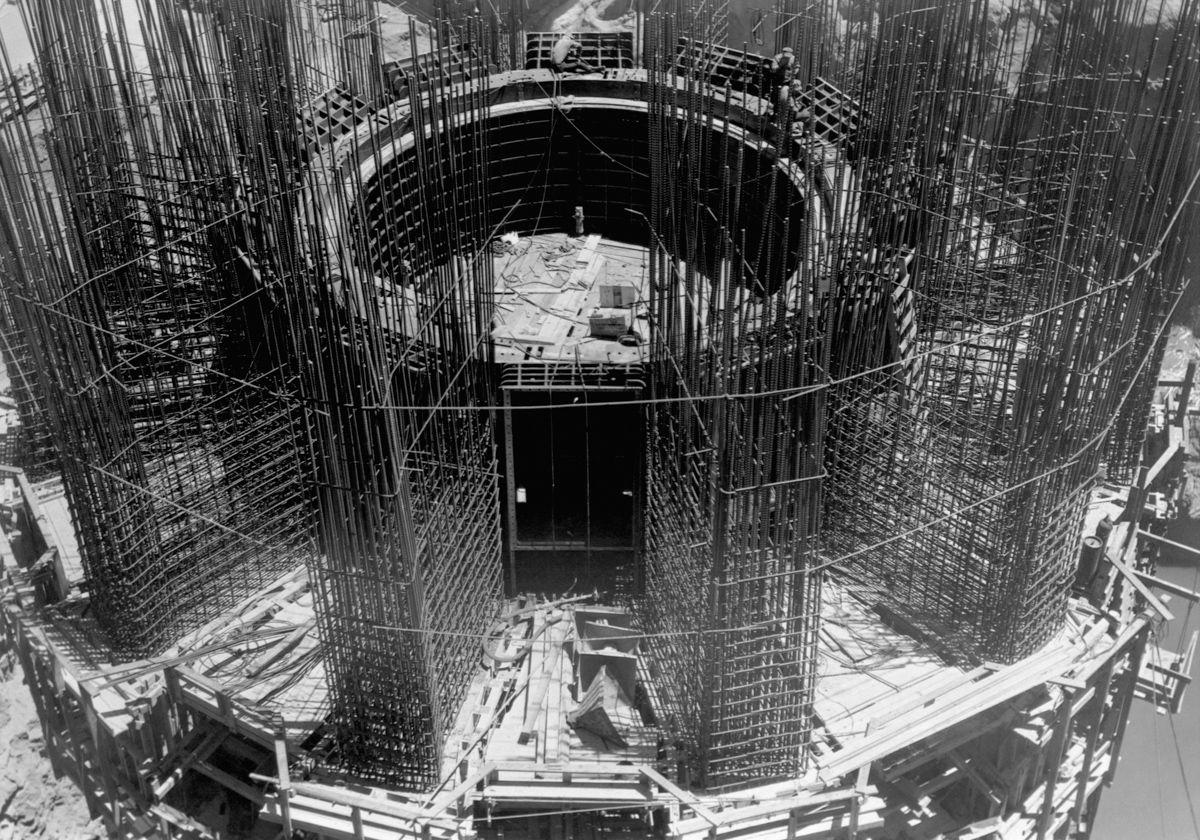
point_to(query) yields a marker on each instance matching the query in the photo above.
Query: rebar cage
(901, 316)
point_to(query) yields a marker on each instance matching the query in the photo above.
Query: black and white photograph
(599, 419)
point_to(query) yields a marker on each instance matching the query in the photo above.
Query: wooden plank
(439, 805)
(1172, 543)
(590, 246)
(1185, 395)
(1164, 460)
(567, 312)
(1185, 669)
(1130, 575)
(966, 765)
(955, 707)
(1091, 740)
(559, 690)
(255, 730)
(938, 687)
(1127, 637)
(781, 807)
(1137, 498)
(578, 768)
(796, 824)
(407, 811)
(229, 781)
(860, 789)
(569, 305)
(536, 659)
(537, 698)
(185, 754)
(1123, 700)
(541, 790)
(684, 796)
(1059, 743)
(1167, 586)
(335, 821)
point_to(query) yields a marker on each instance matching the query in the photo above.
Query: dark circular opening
(544, 162)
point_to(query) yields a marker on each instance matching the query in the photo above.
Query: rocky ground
(33, 804)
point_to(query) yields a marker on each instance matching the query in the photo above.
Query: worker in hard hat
(783, 68)
(783, 65)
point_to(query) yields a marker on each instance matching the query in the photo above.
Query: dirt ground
(33, 804)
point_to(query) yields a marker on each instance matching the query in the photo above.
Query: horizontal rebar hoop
(900, 312)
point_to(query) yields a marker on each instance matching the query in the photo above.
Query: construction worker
(567, 56)
(803, 127)
(803, 119)
(783, 68)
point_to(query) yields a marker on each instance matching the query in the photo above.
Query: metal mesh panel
(29, 444)
(734, 470)
(156, 369)
(405, 462)
(955, 483)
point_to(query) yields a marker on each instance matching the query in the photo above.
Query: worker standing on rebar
(783, 68)
(567, 56)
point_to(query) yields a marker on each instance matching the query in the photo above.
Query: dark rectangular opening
(573, 489)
